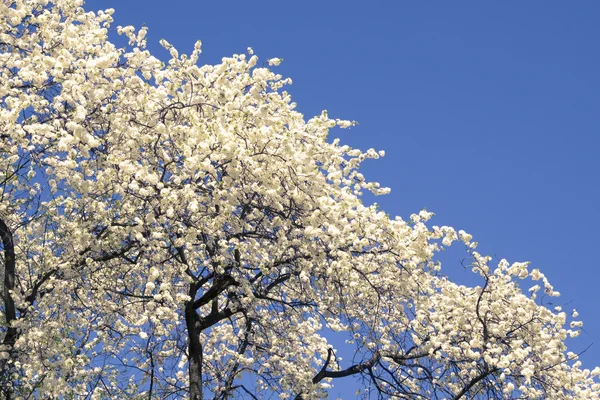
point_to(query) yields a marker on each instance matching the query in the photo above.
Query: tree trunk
(195, 352)
(9, 304)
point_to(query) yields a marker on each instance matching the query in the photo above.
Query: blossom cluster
(182, 229)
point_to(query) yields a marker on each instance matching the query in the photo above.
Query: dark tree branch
(353, 370)
(218, 287)
(474, 382)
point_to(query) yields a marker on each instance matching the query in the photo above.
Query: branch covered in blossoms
(175, 230)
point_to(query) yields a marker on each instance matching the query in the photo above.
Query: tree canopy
(175, 230)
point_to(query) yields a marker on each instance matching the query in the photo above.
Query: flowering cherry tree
(173, 230)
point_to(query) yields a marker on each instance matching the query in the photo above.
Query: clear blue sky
(488, 111)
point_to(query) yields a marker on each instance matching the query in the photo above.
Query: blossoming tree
(174, 230)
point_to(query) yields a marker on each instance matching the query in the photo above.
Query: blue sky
(488, 111)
